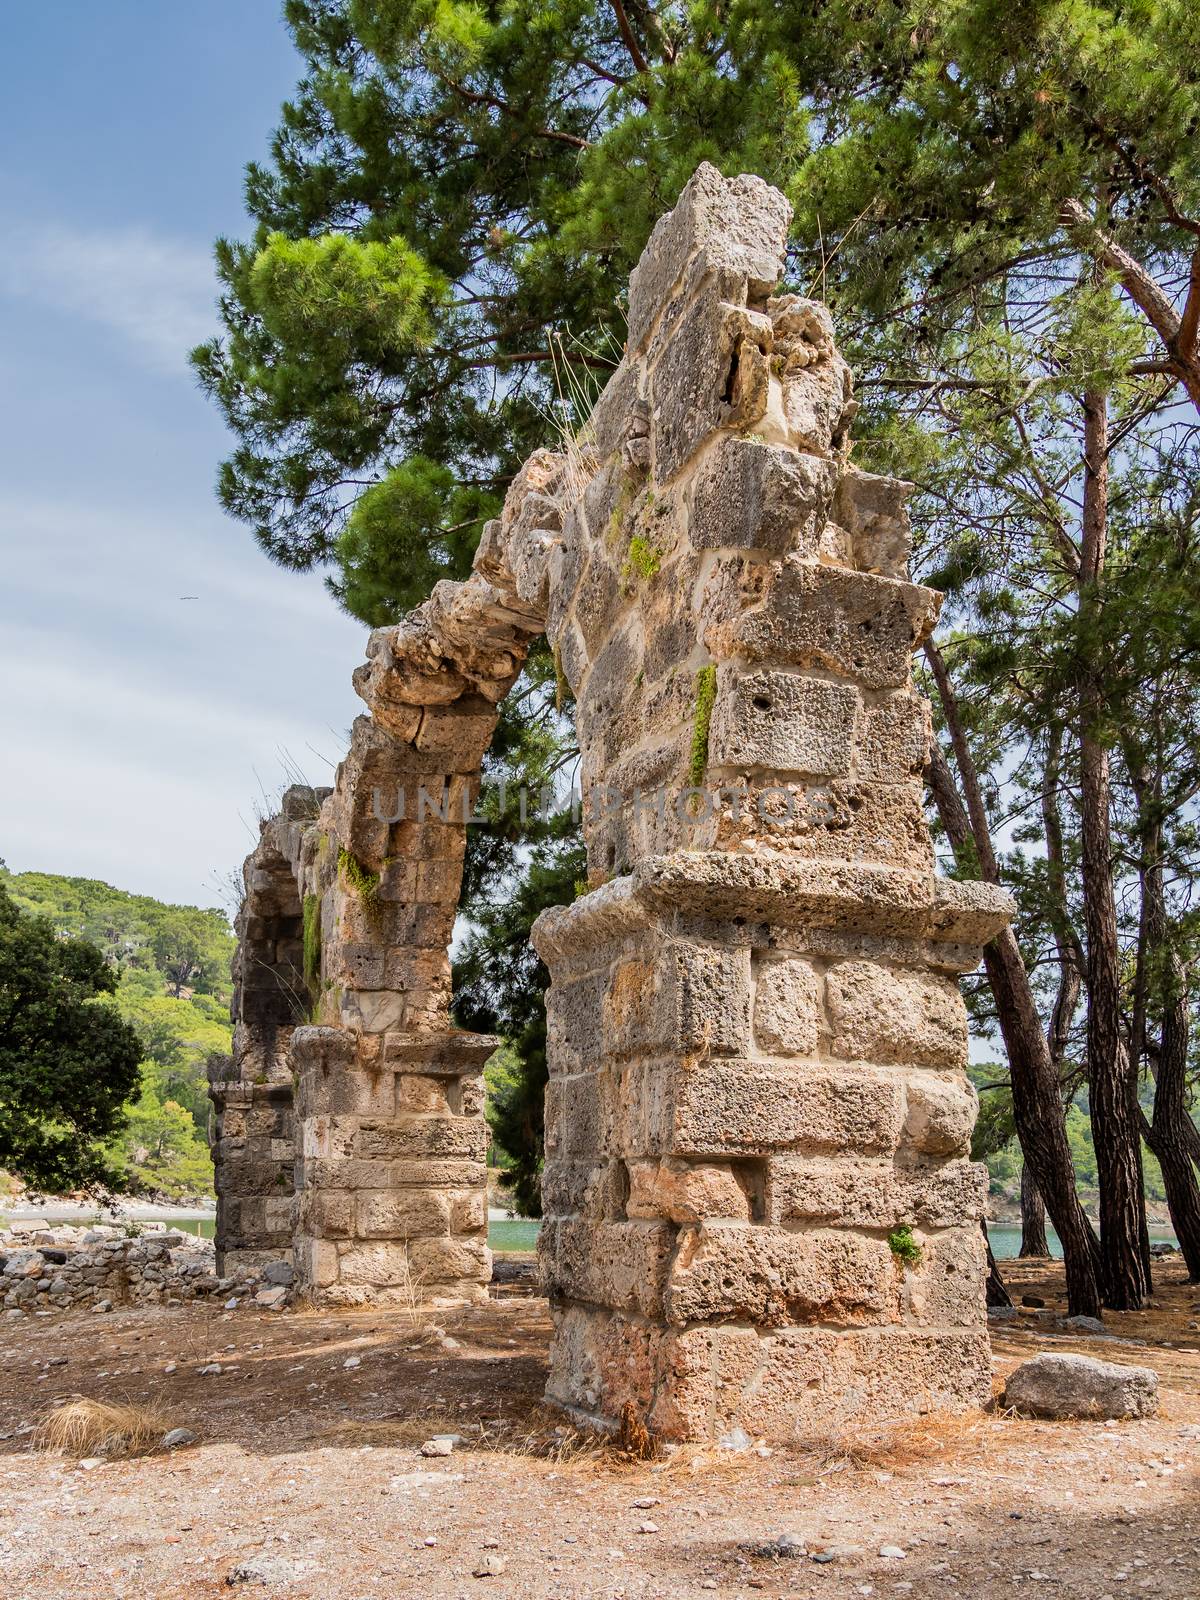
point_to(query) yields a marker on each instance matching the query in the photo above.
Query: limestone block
(574, 1017)
(783, 721)
(376, 1265)
(737, 225)
(896, 1014)
(421, 1096)
(606, 427)
(940, 1114)
(771, 1277)
(713, 371)
(316, 1262)
(579, 1114)
(439, 1261)
(468, 1211)
(618, 1264)
(787, 1006)
(760, 496)
(581, 1187)
(326, 1214)
(373, 1010)
(872, 511)
(723, 1108)
(687, 1192)
(681, 998)
(816, 385)
(946, 1288)
(422, 1136)
(457, 734)
(895, 738)
(401, 1214)
(1068, 1385)
(863, 1193)
(814, 1378)
(851, 623)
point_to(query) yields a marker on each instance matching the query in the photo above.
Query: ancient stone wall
(760, 1210)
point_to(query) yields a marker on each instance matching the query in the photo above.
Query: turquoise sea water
(521, 1234)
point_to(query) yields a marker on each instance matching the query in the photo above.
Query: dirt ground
(307, 1472)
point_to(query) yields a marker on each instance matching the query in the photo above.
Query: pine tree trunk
(1112, 1080)
(997, 1290)
(1162, 973)
(1033, 1217)
(1037, 1103)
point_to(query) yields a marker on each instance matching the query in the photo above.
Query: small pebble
(892, 1552)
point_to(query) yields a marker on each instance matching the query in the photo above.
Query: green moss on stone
(312, 940)
(364, 882)
(904, 1247)
(706, 695)
(644, 559)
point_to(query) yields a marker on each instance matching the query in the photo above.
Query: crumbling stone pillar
(253, 1149)
(760, 1209)
(390, 1174)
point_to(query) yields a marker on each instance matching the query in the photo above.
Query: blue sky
(139, 732)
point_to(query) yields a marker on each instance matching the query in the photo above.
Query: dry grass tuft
(96, 1428)
(945, 1435)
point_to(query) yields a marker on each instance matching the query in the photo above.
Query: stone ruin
(760, 1209)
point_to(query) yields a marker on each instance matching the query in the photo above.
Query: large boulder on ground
(1060, 1386)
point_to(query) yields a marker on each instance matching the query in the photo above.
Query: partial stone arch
(756, 1039)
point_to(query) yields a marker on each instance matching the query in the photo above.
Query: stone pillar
(760, 1208)
(253, 1151)
(252, 1169)
(390, 1175)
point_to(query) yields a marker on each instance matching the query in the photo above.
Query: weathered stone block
(737, 225)
(784, 722)
(863, 1193)
(895, 739)
(402, 1214)
(787, 1006)
(851, 623)
(422, 1136)
(760, 496)
(687, 1192)
(771, 1277)
(896, 1014)
(939, 1114)
(682, 998)
(722, 1108)
(619, 1264)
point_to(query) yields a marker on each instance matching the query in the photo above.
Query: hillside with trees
(169, 967)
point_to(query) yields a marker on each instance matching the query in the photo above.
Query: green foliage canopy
(68, 1062)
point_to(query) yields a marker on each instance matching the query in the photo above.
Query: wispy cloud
(156, 293)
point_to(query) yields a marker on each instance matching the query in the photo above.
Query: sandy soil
(309, 1470)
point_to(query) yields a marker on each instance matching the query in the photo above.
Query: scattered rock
(648, 1527)
(266, 1570)
(1002, 1313)
(1086, 1325)
(278, 1272)
(645, 1502)
(1032, 1300)
(352, 1362)
(177, 1438)
(212, 1370)
(1059, 1386)
(437, 1447)
(489, 1566)
(170, 1369)
(271, 1297)
(787, 1547)
(892, 1552)
(738, 1439)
